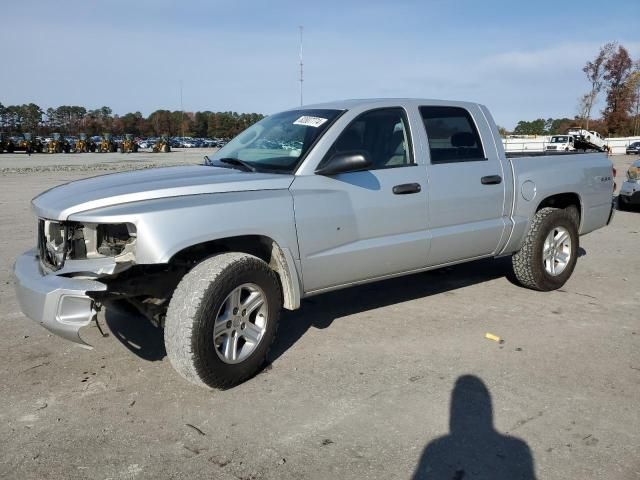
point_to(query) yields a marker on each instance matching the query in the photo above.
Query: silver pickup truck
(305, 201)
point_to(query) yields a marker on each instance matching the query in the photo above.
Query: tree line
(612, 73)
(73, 119)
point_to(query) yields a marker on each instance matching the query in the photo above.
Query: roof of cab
(373, 102)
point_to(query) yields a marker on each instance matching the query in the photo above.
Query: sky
(523, 62)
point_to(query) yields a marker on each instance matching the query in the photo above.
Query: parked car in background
(633, 148)
(630, 191)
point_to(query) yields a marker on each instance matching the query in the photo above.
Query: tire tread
(189, 297)
(526, 270)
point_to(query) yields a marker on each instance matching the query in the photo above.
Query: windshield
(559, 139)
(276, 143)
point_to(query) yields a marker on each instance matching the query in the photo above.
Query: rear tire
(623, 205)
(197, 306)
(534, 265)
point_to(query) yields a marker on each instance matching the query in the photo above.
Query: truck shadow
(321, 311)
(135, 332)
(147, 341)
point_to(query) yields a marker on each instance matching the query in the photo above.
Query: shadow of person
(473, 449)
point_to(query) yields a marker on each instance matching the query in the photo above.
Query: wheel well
(562, 200)
(260, 246)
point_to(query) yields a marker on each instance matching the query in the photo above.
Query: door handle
(406, 188)
(491, 180)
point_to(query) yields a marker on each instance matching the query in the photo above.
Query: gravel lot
(360, 382)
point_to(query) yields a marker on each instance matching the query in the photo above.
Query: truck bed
(547, 154)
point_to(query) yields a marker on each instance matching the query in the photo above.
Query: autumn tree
(133, 123)
(620, 98)
(595, 72)
(160, 121)
(633, 84)
(201, 123)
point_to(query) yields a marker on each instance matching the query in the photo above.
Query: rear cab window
(452, 134)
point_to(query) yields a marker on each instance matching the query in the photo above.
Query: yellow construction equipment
(128, 145)
(84, 144)
(28, 144)
(162, 145)
(107, 144)
(58, 144)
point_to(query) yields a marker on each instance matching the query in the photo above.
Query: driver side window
(380, 135)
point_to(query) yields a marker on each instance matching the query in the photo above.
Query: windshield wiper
(246, 166)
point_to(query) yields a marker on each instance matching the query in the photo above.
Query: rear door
(357, 226)
(466, 184)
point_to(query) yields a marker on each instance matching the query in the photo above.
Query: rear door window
(452, 134)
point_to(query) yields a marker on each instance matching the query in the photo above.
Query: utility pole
(182, 112)
(301, 70)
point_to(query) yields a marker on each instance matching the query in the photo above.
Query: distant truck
(561, 143)
(588, 140)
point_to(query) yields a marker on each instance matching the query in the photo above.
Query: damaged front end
(61, 283)
(59, 242)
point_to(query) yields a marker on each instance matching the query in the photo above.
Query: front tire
(550, 251)
(222, 320)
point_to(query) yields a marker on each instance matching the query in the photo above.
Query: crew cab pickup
(312, 199)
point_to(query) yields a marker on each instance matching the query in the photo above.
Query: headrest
(397, 142)
(463, 139)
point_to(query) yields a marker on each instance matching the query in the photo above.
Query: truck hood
(117, 188)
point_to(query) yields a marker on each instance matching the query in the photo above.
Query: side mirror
(345, 162)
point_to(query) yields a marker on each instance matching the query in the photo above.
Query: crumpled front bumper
(60, 304)
(630, 192)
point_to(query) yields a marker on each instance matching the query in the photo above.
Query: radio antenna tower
(301, 70)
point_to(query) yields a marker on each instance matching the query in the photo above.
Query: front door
(362, 225)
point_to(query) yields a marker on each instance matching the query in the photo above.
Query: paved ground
(82, 162)
(360, 384)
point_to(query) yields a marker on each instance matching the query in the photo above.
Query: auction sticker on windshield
(310, 121)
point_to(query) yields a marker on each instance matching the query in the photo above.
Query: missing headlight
(113, 238)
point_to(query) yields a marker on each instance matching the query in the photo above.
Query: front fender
(168, 225)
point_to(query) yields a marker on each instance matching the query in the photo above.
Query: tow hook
(98, 307)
